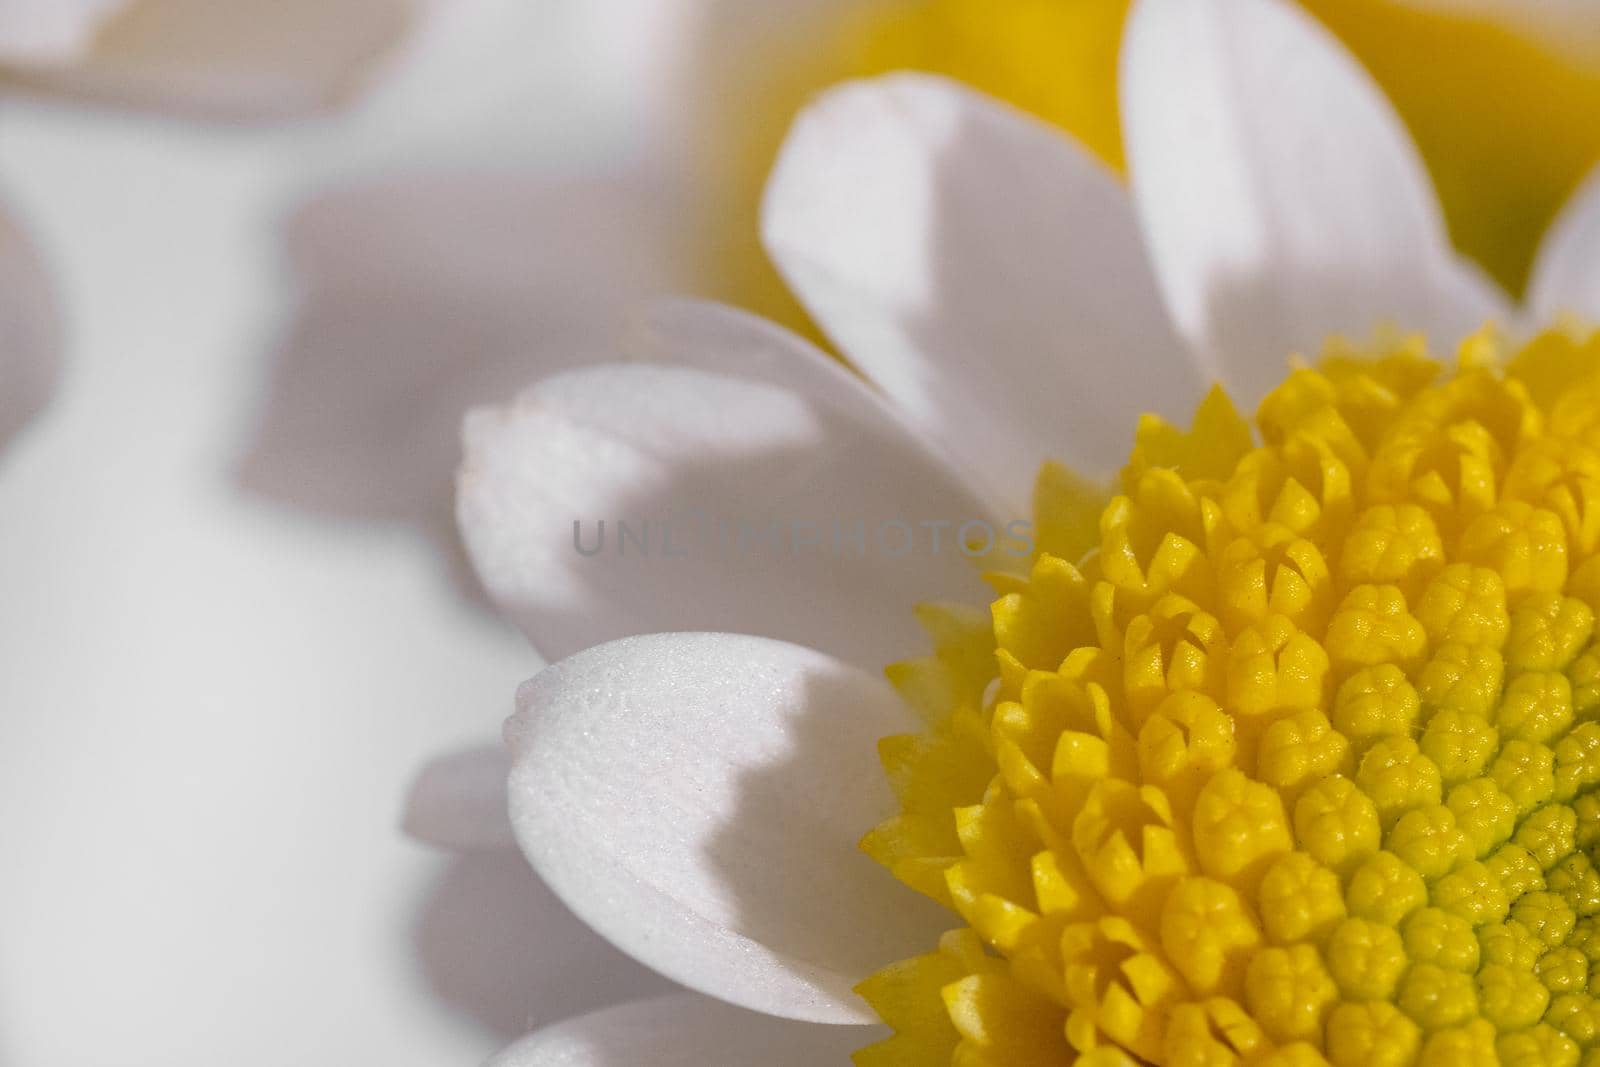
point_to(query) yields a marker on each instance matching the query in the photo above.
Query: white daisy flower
(697, 797)
(432, 288)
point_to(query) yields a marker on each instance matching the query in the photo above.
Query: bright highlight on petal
(1301, 765)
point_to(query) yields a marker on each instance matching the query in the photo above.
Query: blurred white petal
(1281, 197)
(1566, 274)
(427, 295)
(650, 49)
(50, 30)
(697, 799)
(459, 800)
(983, 269)
(751, 507)
(224, 57)
(683, 1030)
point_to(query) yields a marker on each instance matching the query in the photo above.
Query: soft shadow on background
(420, 296)
(214, 703)
(496, 945)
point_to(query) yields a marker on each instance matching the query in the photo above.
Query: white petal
(697, 798)
(1566, 274)
(645, 52)
(721, 339)
(683, 1030)
(459, 800)
(984, 270)
(232, 57)
(29, 336)
(1282, 198)
(729, 503)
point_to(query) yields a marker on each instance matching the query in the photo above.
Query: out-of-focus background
(211, 703)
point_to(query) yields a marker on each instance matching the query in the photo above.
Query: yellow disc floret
(1294, 758)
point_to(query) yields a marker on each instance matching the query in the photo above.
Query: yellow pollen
(1285, 753)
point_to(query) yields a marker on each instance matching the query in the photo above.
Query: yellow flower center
(1289, 752)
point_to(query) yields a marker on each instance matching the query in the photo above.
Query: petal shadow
(497, 946)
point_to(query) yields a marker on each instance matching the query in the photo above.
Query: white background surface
(210, 707)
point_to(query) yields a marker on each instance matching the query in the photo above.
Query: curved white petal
(697, 798)
(1566, 274)
(729, 502)
(235, 57)
(683, 1030)
(29, 331)
(984, 270)
(1282, 198)
(458, 800)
